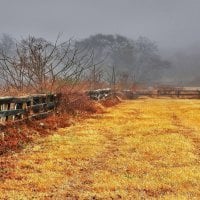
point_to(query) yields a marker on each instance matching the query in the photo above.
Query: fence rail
(179, 93)
(99, 93)
(16, 108)
(169, 93)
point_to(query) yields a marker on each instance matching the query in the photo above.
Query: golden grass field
(141, 149)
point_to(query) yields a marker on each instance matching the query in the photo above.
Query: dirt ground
(140, 149)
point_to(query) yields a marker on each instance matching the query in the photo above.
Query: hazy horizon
(173, 24)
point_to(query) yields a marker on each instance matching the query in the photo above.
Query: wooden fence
(99, 94)
(180, 93)
(177, 93)
(16, 108)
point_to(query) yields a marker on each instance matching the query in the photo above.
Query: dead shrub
(78, 103)
(14, 135)
(111, 101)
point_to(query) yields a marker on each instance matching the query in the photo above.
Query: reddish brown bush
(14, 135)
(113, 100)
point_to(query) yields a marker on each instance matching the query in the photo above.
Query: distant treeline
(35, 64)
(134, 60)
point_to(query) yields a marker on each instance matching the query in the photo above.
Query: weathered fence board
(7, 113)
(99, 94)
(15, 108)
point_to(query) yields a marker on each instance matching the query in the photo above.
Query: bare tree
(42, 65)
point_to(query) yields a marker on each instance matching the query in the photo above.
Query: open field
(141, 149)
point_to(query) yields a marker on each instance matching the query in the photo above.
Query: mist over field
(169, 28)
(99, 99)
(185, 65)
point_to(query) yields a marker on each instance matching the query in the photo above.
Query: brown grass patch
(144, 149)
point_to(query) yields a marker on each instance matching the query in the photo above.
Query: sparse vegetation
(14, 135)
(100, 100)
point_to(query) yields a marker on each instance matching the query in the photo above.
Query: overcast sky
(172, 23)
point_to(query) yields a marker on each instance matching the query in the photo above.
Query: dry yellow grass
(143, 149)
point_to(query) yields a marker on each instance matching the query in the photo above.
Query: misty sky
(172, 23)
